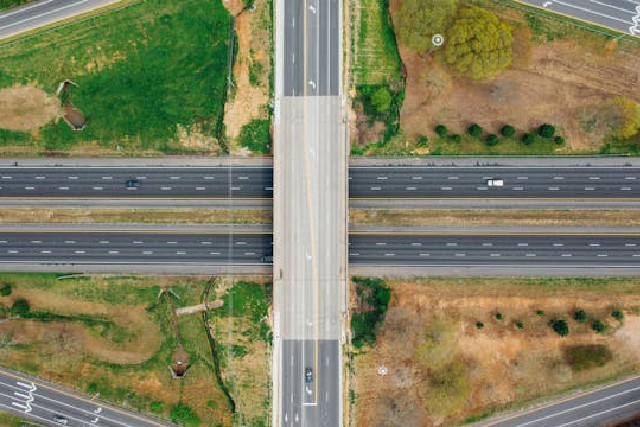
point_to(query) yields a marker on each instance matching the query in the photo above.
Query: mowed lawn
(142, 72)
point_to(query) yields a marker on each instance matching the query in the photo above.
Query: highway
(310, 214)
(595, 409)
(550, 250)
(44, 12)
(621, 15)
(256, 182)
(40, 401)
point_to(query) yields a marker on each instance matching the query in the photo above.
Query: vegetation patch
(112, 335)
(256, 137)
(373, 298)
(448, 358)
(142, 73)
(6, 4)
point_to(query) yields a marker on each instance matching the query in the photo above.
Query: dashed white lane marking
(411, 188)
(206, 242)
(114, 252)
(523, 244)
(214, 253)
(79, 252)
(209, 178)
(635, 255)
(137, 242)
(97, 188)
(268, 188)
(594, 244)
(603, 255)
(249, 253)
(416, 244)
(452, 177)
(630, 245)
(354, 254)
(63, 188)
(518, 188)
(40, 177)
(625, 188)
(594, 177)
(495, 254)
(452, 244)
(558, 244)
(566, 255)
(29, 188)
(241, 243)
(244, 178)
(382, 177)
(593, 12)
(630, 177)
(141, 177)
(13, 251)
(165, 188)
(522, 177)
(73, 177)
(201, 188)
(45, 252)
(589, 188)
(554, 188)
(389, 254)
(36, 241)
(147, 252)
(69, 242)
(376, 188)
(174, 177)
(487, 244)
(416, 177)
(424, 254)
(4, 241)
(445, 188)
(181, 252)
(7, 177)
(104, 242)
(482, 188)
(107, 177)
(172, 243)
(236, 188)
(530, 255)
(558, 177)
(381, 243)
(461, 254)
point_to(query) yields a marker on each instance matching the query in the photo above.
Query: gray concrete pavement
(310, 213)
(44, 12)
(256, 182)
(593, 409)
(41, 402)
(621, 15)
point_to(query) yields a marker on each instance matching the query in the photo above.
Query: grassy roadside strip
(148, 216)
(506, 218)
(10, 420)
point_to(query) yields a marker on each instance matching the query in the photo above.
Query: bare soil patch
(26, 108)
(443, 368)
(569, 83)
(251, 69)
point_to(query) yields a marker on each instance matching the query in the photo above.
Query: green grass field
(141, 71)
(6, 4)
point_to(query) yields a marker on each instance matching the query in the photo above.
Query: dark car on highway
(308, 375)
(133, 183)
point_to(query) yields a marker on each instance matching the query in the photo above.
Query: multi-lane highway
(551, 250)
(621, 15)
(433, 182)
(49, 405)
(43, 12)
(596, 409)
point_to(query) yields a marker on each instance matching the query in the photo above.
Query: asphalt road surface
(40, 402)
(310, 213)
(594, 409)
(393, 249)
(43, 12)
(621, 15)
(407, 182)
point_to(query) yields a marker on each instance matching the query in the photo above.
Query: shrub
(92, 388)
(492, 140)
(455, 138)
(442, 131)
(599, 326)
(580, 316)
(587, 356)
(422, 141)
(546, 131)
(6, 289)
(519, 324)
(508, 131)
(184, 415)
(475, 130)
(479, 325)
(20, 307)
(618, 315)
(539, 313)
(381, 100)
(157, 406)
(256, 137)
(559, 140)
(560, 326)
(499, 316)
(528, 138)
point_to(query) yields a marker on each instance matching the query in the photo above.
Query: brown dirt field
(151, 216)
(503, 218)
(26, 108)
(193, 138)
(145, 333)
(496, 366)
(565, 82)
(253, 40)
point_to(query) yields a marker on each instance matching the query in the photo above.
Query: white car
(495, 182)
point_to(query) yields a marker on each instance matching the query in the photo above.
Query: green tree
(492, 140)
(475, 130)
(455, 138)
(478, 44)
(599, 326)
(580, 316)
(629, 121)
(20, 307)
(422, 141)
(618, 315)
(442, 131)
(559, 140)
(6, 289)
(528, 138)
(508, 131)
(547, 131)
(381, 100)
(560, 326)
(418, 20)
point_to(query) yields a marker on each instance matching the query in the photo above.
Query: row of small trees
(546, 131)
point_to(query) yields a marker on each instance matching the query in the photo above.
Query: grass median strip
(502, 218)
(147, 216)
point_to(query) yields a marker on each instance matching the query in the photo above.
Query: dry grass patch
(153, 216)
(502, 218)
(26, 108)
(455, 348)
